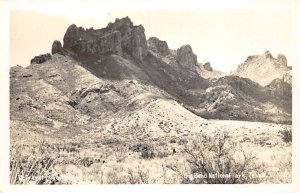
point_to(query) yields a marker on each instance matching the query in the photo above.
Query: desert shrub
(182, 141)
(86, 161)
(114, 178)
(110, 141)
(30, 168)
(120, 153)
(116, 175)
(246, 139)
(287, 135)
(261, 140)
(162, 154)
(214, 160)
(146, 150)
(139, 177)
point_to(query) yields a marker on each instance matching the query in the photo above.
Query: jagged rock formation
(114, 39)
(138, 43)
(281, 88)
(57, 48)
(263, 68)
(282, 59)
(80, 40)
(287, 77)
(186, 57)
(207, 66)
(158, 46)
(40, 59)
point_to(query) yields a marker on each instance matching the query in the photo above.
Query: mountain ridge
(263, 68)
(120, 52)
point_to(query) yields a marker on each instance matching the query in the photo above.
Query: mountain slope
(232, 97)
(109, 73)
(264, 68)
(64, 99)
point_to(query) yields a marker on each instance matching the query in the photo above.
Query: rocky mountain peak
(263, 68)
(207, 66)
(186, 57)
(158, 46)
(282, 59)
(267, 54)
(57, 48)
(71, 37)
(123, 25)
(136, 42)
(118, 37)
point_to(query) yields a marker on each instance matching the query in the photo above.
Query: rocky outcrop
(287, 77)
(282, 59)
(110, 43)
(72, 38)
(158, 46)
(41, 58)
(116, 38)
(280, 88)
(207, 66)
(57, 48)
(267, 54)
(80, 40)
(263, 68)
(138, 43)
(186, 57)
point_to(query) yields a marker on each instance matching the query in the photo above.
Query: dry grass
(34, 168)
(167, 159)
(216, 160)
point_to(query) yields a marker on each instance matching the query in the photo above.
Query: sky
(223, 34)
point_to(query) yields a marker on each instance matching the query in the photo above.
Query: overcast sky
(223, 34)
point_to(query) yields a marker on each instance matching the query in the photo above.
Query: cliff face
(114, 39)
(158, 46)
(57, 48)
(186, 57)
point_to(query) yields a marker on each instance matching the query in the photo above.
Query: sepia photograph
(156, 93)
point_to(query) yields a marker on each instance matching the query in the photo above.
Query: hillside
(86, 75)
(264, 68)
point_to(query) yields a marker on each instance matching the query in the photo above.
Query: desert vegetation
(218, 157)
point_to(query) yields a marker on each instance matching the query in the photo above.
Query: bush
(120, 153)
(146, 150)
(211, 156)
(139, 177)
(29, 168)
(287, 135)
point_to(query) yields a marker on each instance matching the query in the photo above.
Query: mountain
(115, 80)
(61, 98)
(232, 97)
(264, 68)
